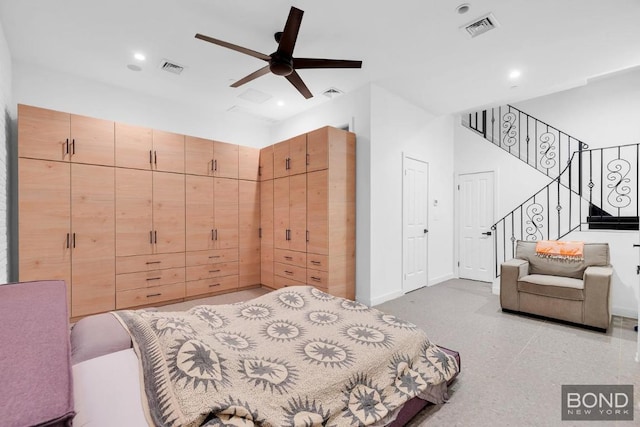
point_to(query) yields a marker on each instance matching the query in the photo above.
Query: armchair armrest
(510, 272)
(597, 291)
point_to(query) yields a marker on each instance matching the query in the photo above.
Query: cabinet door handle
(155, 237)
(259, 170)
(74, 240)
(153, 262)
(215, 234)
(215, 165)
(260, 233)
(151, 237)
(214, 271)
(214, 256)
(212, 238)
(308, 159)
(316, 279)
(154, 295)
(73, 146)
(67, 240)
(307, 236)
(288, 272)
(288, 258)
(150, 157)
(214, 285)
(66, 145)
(155, 157)
(154, 278)
(287, 164)
(314, 262)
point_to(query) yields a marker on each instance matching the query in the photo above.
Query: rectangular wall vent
(480, 26)
(171, 67)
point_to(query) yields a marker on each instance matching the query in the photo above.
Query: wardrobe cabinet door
(198, 154)
(248, 163)
(318, 149)
(199, 211)
(317, 212)
(249, 238)
(298, 155)
(134, 147)
(134, 192)
(298, 212)
(225, 160)
(44, 134)
(92, 141)
(265, 170)
(168, 152)
(281, 213)
(44, 225)
(168, 212)
(93, 239)
(266, 226)
(281, 159)
(225, 213)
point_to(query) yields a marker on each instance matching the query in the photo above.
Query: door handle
(636, 246)
(425, 231)
(488, 233)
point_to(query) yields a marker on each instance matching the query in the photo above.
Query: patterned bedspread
(293, 357)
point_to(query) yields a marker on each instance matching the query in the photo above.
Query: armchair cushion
(594, 254)
(552, 286)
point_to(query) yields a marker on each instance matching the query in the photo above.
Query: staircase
(589, 189)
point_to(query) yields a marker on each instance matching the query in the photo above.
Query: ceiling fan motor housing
(281, 65)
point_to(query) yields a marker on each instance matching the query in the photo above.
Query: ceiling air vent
(332, 92)
(171, 67)
(480, 25)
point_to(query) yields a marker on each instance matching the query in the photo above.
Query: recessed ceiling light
(139, 56)
(280, 103)
(514, 74)
(463, 8)
(134, 67)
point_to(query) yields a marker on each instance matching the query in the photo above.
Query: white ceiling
(413, 48)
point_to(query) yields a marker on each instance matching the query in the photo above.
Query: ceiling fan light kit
(281, 62)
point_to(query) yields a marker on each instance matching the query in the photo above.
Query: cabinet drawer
(206, 286)
(283, 282)
(290, 257)
(199, 272)
(318, 262)
(208, 257)
(318, 278)
(146, 279)
(299, 274)
(153, 295)
(132, 264)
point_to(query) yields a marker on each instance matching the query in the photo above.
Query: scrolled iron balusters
(618, 170)
(534, 222)
(509, 132)
(547, 150)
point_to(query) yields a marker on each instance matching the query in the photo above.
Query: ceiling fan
(281, 62)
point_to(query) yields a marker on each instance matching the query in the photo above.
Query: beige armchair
(572, 291)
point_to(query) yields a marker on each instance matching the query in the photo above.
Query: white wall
(602, 113)
(41, 87)
(386, 126)
(7, 114)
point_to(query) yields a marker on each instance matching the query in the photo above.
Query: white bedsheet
(107, 391)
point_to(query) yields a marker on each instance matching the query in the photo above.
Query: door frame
(406, 156)
(458, 219)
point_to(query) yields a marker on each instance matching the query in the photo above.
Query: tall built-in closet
(130, 216)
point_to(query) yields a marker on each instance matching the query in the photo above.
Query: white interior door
(415, 186)
(476, 218)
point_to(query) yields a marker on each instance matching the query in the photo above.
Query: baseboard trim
(624, 312)
(386, 297)
(441, 279)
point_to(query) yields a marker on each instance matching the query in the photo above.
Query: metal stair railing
(529, 139)
(606, 178)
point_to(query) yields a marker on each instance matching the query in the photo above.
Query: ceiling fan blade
(261, 72)
(290, 32)
(234, 47)
(295, 80)
(302, 63)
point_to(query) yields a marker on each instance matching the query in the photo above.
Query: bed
(293, 357)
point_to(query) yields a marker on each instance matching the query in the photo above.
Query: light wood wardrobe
(130, 216)
(308, 212)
